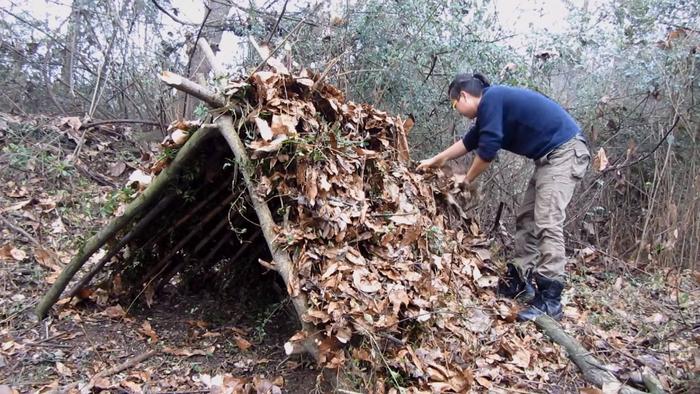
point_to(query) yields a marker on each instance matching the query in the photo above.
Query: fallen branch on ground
(593, 371)
(132, 362)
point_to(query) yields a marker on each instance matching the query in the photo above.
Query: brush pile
(395, 274)
(388, 274)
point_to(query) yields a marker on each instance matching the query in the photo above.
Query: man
(532, 125)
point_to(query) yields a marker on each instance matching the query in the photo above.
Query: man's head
(465, 93)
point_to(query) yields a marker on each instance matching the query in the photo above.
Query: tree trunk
(72, 44)
(199, 66)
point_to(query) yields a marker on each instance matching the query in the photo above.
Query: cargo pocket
(582, 158)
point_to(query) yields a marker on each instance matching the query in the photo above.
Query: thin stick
(187, 216)
(497, 221)
(624, 165)
(189, 61)
(281, 44)
(650, 211)
(118, 121)
(20, 230)
(277, 23)
(118, 368)
(127, 364)
(193, 232)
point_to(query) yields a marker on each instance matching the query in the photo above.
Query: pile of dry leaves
(396, 275)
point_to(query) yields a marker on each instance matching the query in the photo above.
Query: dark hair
(474, 84)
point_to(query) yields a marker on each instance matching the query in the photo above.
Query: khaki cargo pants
(539, 237)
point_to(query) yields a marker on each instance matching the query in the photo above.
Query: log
(652, 382)
(593, 371)
(133, 210)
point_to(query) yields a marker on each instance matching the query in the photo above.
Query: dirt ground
(54, 195)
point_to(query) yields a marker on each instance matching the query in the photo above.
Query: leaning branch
(122, 121)
(135, 208)
(282, 261)
(135, 231)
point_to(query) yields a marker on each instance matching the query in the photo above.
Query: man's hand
(433, 162)
(462, 184)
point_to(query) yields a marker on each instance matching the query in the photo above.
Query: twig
(497, 221)
(271, 16)
(650, 210)
(116, 369)
(122, 121)
(274, 28)
(646, 155)
(173, 17)
(127, 364)
(12, 316)
(187, 216)
(164, 262)
(655, 340)
(14, 104)
(99, 178)
(19, 230)
(272, 52)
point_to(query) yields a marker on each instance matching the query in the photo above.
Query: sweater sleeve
(471, 139)
(490, 129)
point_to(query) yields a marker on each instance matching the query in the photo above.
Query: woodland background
(626, 69)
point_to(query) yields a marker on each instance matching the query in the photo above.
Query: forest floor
(60, 184)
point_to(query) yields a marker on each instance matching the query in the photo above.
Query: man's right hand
(433, 162)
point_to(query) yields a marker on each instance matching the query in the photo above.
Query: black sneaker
(547, 300)
(512, 285)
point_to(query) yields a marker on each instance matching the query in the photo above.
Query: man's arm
(456, 150)
(478, 166)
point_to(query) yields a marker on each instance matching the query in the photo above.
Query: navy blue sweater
(518, 120)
